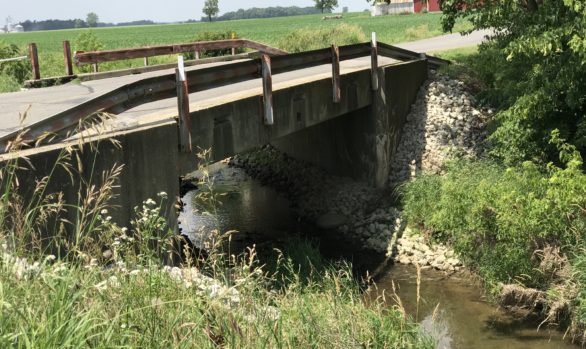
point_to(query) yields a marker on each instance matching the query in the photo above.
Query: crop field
(389, 29)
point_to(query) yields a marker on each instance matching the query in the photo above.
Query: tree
(326, 5)
(92, 20)
(78, 23)
(535, 66)
(211, 9)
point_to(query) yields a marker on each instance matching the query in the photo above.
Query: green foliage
(211, 8)
(213, 36)
(8, 84)
(536, 73)
(267, 12)
(92, 20)
(87, 41)
(310, 39)
(326, 5)
(13, 73)
(496, 217)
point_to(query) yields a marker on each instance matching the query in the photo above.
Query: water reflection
(454, 312)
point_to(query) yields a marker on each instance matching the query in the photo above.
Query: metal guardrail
(165, 86)
(15, 59)
(94, 57)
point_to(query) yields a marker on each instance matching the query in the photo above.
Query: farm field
(390, 29)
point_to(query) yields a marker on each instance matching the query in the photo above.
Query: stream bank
(464, 318)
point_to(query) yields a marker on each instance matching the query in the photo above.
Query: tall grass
(110, 287)
(311, 39)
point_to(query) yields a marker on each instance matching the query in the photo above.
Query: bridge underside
(356, 138)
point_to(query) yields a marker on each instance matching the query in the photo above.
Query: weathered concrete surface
(361, 143)
(358, 143)
(148, 156)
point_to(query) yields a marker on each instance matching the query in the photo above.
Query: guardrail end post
(336, 74)
(34, 57)
(183, 107)
(67, 58)
(267, 88)
(374, 62)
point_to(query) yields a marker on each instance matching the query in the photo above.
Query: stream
(451, 309)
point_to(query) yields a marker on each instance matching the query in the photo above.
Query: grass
(390, 29)
(57, 305)
(109, 287)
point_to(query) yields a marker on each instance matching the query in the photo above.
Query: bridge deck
(43, 103)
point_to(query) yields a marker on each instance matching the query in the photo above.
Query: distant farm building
(405, 6)
(17, 29)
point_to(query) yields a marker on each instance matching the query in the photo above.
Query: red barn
(429, 5)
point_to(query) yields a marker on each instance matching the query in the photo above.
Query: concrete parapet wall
(148, 156)
(238, 126)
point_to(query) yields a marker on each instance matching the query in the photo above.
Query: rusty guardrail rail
(165, 86)
(95, 57)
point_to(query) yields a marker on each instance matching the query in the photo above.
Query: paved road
(446, 42)
(42, 103)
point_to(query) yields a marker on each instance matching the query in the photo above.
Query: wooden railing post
(197, 54)
(183, 107)
(374, 62)
(336, 74)
(34, 57)
(67, 58)
(267, 89)
(95, 65)
(146, 61)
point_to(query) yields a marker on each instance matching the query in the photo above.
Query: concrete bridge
(342, 109)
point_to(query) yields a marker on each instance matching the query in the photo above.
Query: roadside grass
(390, 29)
(109, 287)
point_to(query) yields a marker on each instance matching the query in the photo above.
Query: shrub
(87, 41)
(311, 39)
(497, 217)
(12, 74)
(214, 36)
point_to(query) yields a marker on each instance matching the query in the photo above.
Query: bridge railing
(165, 86)
(94, 57)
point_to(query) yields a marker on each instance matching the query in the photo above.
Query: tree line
(268, 12)
(91, 21)
(211, 9)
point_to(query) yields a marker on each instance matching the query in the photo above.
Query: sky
(131, 10)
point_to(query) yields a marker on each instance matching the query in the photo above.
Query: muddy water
(452, 310)
(455, 313)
